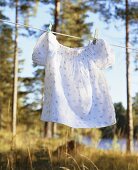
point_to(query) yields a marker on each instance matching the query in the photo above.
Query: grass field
(35, 153)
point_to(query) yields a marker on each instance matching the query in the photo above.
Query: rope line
(71, 36)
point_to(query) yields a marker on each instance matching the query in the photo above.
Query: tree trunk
(56, 15)
(56, 21)
(0, 115)
(128, 82)
(15, 86)
(50, 128)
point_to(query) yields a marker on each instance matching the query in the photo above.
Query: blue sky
(116, 77)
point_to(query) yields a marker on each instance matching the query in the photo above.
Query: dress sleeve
(102, 54)
(40, 50)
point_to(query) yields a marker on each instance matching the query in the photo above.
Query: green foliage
(6, 74)
(26, 9)
(72, 21)
(135, 104)
(121, 119)
(114, 10)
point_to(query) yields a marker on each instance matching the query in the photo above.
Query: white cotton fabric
(76, 92)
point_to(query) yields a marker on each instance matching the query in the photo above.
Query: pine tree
(129, 14)
(6, 74)
(73, 22)
(25, 9)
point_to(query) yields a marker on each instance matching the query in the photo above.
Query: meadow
(32, 152)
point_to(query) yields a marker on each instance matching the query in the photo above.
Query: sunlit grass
(33, 152)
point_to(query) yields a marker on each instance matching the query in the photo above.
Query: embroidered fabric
(76, 92)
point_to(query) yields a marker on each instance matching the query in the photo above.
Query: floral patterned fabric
(76, 93)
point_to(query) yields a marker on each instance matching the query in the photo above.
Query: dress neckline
(71, 48)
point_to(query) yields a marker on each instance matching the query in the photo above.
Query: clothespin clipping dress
(76, 93)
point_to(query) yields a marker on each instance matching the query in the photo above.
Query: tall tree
(128, 82)
(6, 73)
(50, 128)
(15, 86)
(114, 10)
(23, 8)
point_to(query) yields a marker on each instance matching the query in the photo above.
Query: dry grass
(34, 153)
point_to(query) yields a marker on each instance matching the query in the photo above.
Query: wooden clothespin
(95, 36)
(49, 28)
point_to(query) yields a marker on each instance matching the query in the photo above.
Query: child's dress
(76, 92)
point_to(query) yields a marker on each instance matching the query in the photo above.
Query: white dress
(76, 92)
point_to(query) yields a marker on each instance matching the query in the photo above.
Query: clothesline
(71, 36)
